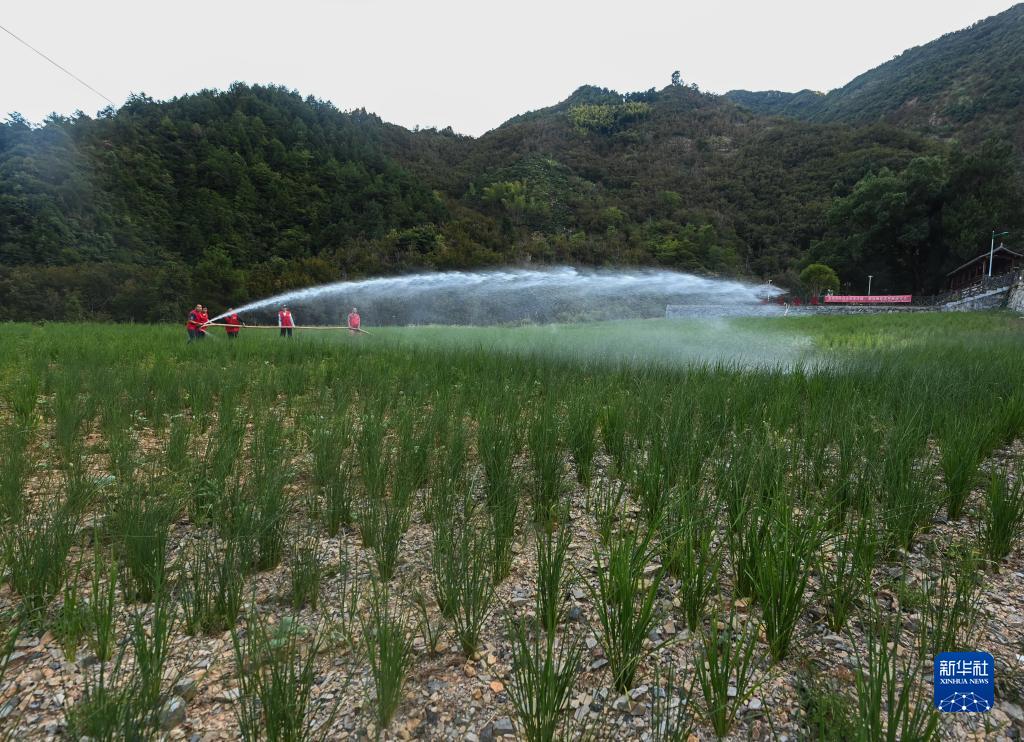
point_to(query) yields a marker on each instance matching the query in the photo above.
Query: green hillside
(224, 196)
(967, 84)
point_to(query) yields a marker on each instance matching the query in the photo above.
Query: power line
(63, 69)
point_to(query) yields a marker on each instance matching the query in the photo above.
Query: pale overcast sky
(470, 64)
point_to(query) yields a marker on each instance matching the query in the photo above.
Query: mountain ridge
(942, 87)
(235, 194)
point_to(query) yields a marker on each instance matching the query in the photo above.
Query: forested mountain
(223, 196)
(967, 84)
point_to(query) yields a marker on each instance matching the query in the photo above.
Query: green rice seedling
(624, 600)
(306, 572)
(689, 442)
(121, 446)
(951, 604)
(37, 558)
(580, 436)
(328, 440)
(817, 459)
(374, 455)
(123, 701)
(444, 575)
(1007, 418)
(607, 506)
(498, 440)
(891, 705)
(544, 671)
(432, 630)
(544, 442)
(748, 538)
(962, 445)
(413, 453)
(1003, 515)
(470, 589)
(845, 578)
(725, 669)
(108, 709)
(176, 455)
(781, 574)
(199, 392)
(23, 398)
(671, 713)
(263, 507)
(235, 522)
(349, 596)
(614, 434)
(72, 623)
(847, 487)
(164, 397)
(448, 483)
(734, 481)
(686, 541)
(16, 462)
(276, 678)
(388, 642)
(218, 468)
(502, 516)
(81, 489)
(827, 713)
(140, 520)
(338, 503)
(151, 642)
(382, 523)
(652, 482)
(904, 489)
(210, 587)
(552, 576)
(70, 413)
(101, 608)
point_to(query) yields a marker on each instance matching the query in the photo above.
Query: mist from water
(518, 296)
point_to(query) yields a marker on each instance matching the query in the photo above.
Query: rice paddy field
(658, 530)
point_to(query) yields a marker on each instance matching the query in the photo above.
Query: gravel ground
(449, 696)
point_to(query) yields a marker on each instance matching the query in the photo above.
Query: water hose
(294, 327)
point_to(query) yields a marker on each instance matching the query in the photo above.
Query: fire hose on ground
(293, 327)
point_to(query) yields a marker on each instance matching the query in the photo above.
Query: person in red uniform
(353, 322)
(234, 324)
(193, 323)
(204, 319)
(285, 321)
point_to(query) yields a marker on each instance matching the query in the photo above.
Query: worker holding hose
(204, 320)
(285, 321)
(234, 324)
(194, 323)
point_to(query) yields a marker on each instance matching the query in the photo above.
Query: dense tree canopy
(966, 84)
(226, 196)
(818, 278)
(908, 228)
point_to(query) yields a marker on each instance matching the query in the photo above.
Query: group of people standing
(199, 320)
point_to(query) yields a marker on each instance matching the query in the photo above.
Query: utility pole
(869, 285)
(992, 249)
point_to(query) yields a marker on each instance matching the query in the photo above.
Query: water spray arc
(518, 295)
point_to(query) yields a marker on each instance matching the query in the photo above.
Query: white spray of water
(518, 295)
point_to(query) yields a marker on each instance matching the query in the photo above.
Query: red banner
(876, 299)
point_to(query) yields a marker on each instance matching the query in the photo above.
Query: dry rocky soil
(450, 696)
